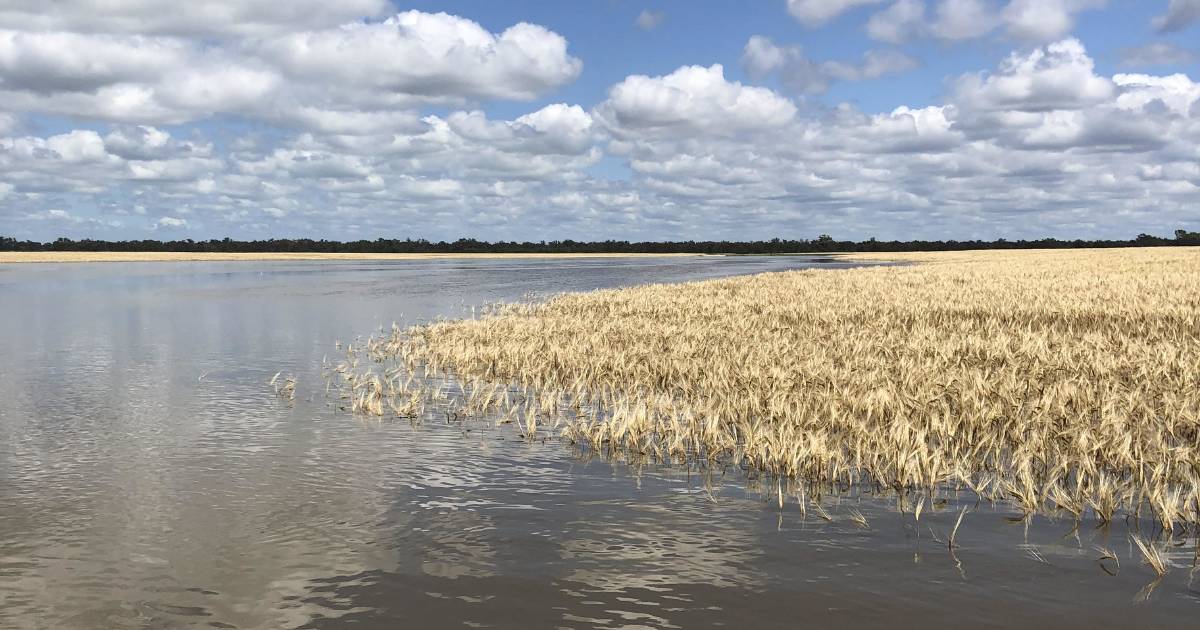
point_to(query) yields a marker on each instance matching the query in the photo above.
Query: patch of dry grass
(1053, 379)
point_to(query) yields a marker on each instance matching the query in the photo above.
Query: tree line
(822, 244)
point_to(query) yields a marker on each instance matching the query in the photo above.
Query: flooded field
(150, 478)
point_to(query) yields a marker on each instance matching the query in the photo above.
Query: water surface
(150, 479)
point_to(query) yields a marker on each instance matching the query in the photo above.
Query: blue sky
(605, 119)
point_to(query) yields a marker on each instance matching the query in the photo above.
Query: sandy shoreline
(85, 257)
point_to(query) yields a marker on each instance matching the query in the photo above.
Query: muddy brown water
(150, 479)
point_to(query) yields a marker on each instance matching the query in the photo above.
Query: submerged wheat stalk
(954, 532)
(1152, 556)
(285, 389)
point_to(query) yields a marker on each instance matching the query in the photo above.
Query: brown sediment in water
(1058, 380)
(68, 257)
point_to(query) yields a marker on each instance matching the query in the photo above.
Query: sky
(601, 119)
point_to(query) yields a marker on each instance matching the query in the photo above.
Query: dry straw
(1059, 380)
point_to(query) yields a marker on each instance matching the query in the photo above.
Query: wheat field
(1065, 381)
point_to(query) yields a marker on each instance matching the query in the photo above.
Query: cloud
(142, 142)
(693, 100)
(1058, 76)
(813, 13)
(796, 72)
(76, 147)
(875, 64)
(1044, 20)
(1180, 15)
(428, 57)
(229, 17)
(1177, 93)
(951, 20)
(357, 77)
(958, 20)
(555, 129)
(171, 223)
(62, 218)
(905, 130)
(962, 19)
(128, 79)
(83, 161)
(761, 56)
(352, 121)
(49, 62)
(438, 177)
(1156, 54)
(649, 20)
(54, 214)
(904, 20)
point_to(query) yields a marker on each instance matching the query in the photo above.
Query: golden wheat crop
(1063, 380)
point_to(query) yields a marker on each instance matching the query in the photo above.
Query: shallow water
(149, 478)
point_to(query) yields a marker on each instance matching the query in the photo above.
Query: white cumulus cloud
(429, 55)
(355, 77)
(1043, 20)
(1058, 76)
(693, 99)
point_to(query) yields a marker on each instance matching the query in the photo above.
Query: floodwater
(149, 478)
